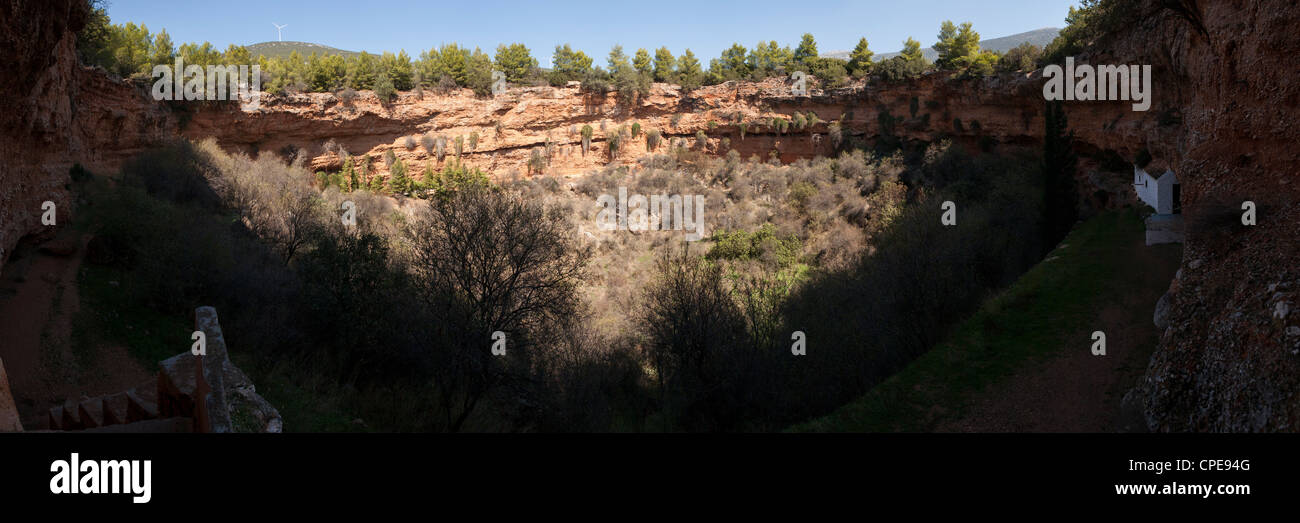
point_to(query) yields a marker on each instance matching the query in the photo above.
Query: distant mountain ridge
(305, 49)
(1038, 37)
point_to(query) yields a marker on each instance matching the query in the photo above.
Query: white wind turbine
(278, 27)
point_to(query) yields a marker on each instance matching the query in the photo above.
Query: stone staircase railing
(191, 394)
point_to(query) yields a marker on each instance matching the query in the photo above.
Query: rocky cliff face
(55, 113)
(510, 126)
(1225, 107)
(1229, 359)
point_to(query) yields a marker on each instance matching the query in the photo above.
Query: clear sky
(705, 26)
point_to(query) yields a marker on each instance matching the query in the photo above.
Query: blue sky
(706, 27)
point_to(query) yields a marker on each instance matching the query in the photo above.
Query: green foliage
(362, 71)
(665, 67)
(384, 89)
(831, 71)
(516, 61)
(800, 194)
(1033, 320)
(689, 74)
(428, 180)
(957, 47)
(628, 80)
(643, 64)
(93, 41)
(859, 64)
(768, 59)
(759, 244)
(587, 133)
(909, 64)
(399, 69)
(1092, 21)
(614, 140)
(399, 180)
(452, 178)
(596, 83)
(983, 64)
(568, 65)
(478, 71)
(733, 64)
(806, 51)
(652, 138)
(536, 161)
(350, 178)
(1023, 57)
(911, 50)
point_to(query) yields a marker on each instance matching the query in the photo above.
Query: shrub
(384, 89)
(899, 69)
(1023, 57)
(347, 95)
(652, 138)
(836, 133)
(832, 72)
(587, 133)
(693, 329)
(614, 140)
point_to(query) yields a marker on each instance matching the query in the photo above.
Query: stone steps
(131, 406)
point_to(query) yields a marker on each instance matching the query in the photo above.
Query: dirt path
(1075, 391)
(45, 360)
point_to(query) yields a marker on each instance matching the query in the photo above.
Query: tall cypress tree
(1060, 201)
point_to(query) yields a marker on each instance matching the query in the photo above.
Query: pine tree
(568, 65)
(587, 132)
(689, 74)
(398, 180)
(642, 63)
(912, 50)
(349, 176)
(478, 72)
(1059, 162)
(734, 63)
(956, 46)
(665, 68)
(806, 51)
(164, 52)
(860, 59)
(516, 61)
(429, 180)
(384, 89)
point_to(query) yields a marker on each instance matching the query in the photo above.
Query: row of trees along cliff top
(131, 50)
